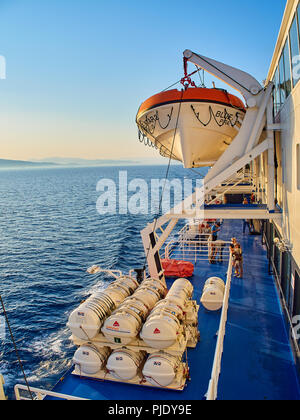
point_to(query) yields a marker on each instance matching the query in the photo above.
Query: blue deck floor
(257, 361)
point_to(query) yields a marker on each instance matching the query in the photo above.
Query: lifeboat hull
(195, 126)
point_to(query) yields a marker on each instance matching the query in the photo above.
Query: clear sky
(77, 70)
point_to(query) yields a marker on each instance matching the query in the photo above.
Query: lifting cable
(15, 346)
(166, 177)
(222, 72)
(179, 81)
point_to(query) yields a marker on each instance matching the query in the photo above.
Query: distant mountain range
(57, 161)
(84, 162)
(6, 163)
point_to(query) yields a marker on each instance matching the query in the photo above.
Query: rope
(15, 347)
(226, 119)
(202, 83)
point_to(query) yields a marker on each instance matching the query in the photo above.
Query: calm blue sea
(50, 233)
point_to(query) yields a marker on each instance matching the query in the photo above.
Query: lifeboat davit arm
(246, 84)
(247, 146)
(259, 114)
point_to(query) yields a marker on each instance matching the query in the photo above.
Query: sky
(77, 70)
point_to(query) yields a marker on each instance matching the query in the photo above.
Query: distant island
(84, 162)
(72, 162)
(6, 163)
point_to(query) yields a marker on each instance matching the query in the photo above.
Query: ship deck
(258, 362)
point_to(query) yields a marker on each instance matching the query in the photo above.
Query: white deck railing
(212, 392)
(189, 245)
(40, 394)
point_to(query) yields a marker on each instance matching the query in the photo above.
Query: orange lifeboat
(195, 125)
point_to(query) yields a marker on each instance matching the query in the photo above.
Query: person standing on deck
(233, 244)
(246, 224)
(214, 231)
(238, 261)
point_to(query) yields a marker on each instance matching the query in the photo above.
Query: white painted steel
(40, 394)
(246, 84)
(186, 247)
(212, 392)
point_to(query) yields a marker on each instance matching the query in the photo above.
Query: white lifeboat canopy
(195, 125)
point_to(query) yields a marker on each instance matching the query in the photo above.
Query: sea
(50, 233)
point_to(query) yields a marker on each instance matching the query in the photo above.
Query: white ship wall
(287, 140)
(290, 138)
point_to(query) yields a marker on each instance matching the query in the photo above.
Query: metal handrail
(42, 393)
(283, 299)
(230, 187)
(197, 250)
(212, 392)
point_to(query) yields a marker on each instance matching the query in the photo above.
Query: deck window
(282, 80)
(294, 48)
(276, 93)
(287, 69)
(277, 101)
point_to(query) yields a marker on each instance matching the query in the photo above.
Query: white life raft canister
(160, 331)
(122, 326)
(170, 307)
(162, 326)
(160, 369)
(85, 321)
(213, 294)
(90, 360)
(124, 364)
(180, 292)
(157, 285)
